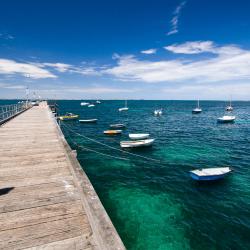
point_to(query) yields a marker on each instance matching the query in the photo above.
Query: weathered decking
(46, 200)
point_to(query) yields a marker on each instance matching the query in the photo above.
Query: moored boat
(124, 108)
(91, 105)
(230, 107)
(118, 125)
(112, 132)
(98, 102)
(84, 103)
(88, 120)
(226, 119)
(68, 116)
(209, 174)
(138, 136)
(158, 112)
(197, 110)
(136, 144)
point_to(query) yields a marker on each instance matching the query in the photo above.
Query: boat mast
(125, 103)
(198, 103)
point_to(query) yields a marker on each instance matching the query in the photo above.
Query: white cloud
(69, 68)
(61, 67)
(191, 47)
(197, 47)
(230, 63)
(11, 86)
(87, 71)
(99, 90)
(175, 19)
(148, 51)
(10, 67)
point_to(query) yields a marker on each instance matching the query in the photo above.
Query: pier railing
(9, 111)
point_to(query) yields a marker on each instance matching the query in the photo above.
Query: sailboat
(158, 112)
(124, 108)
(197, 110)
(230, 107)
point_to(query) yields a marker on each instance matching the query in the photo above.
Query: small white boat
(98, 102)
(88, 120)
(124, 108)
(158, 112)
(136, 144)
(138, 136)
(197, 110)
(112, 132)
(209, 174)
(84, 103)
(118, 125)
(91, 105)
(226, 119)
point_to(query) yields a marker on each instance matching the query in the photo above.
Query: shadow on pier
(4, 191)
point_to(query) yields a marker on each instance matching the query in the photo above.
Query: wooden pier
(46, 199)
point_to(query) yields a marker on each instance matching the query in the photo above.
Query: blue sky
(161, 49)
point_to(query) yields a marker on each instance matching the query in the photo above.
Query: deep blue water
(157, 205)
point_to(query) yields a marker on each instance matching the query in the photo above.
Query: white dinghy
(84, 103)
(118, 125)
(88, 120)
(138, 136)
(209, 174)
(226, 119)
(91, 105)
(136, 144)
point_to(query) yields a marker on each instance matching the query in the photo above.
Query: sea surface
(152, 201)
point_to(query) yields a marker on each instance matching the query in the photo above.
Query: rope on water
(100, 153)
(103, 144)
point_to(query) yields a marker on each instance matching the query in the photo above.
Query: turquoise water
(157, 206)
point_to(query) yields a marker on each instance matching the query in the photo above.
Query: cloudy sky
(154, 49)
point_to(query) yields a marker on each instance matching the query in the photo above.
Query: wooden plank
(42, 214)
(39, 195)
(76, 243)
(44, 233)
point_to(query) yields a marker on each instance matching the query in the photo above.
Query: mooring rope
(103, 144)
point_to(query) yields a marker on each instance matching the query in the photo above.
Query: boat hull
(225, 121)
(88, 121)
(112, 132)
(136, 144)
(64, 118)
(117, 126)
(196, 111)
(138, 136)
(123, 109)
(158, 112)
(207, 178)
